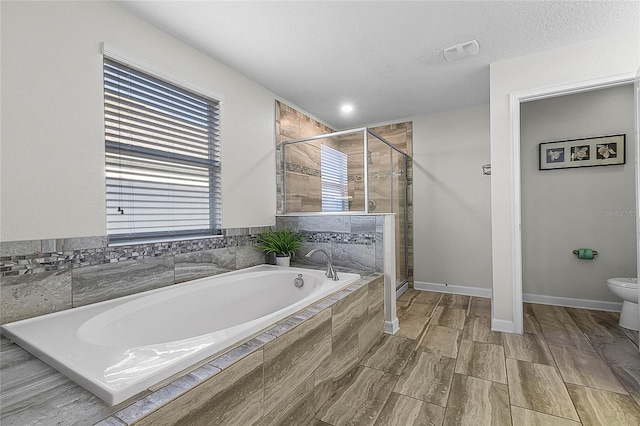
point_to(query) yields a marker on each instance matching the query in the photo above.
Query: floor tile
(480, 306)
(531, 324)
(527, 347)
(596, 323)
(441, 340)
(482, 360)
(585, 368)
(559, 329)
(539, 388)
(449, 317)
(478, 329)
(455, 301)
(402, 410)
(427, 377)
(598, 407)
(412, 326)
(474, 401)
(523, 417)
(359, 399)
(389, 354)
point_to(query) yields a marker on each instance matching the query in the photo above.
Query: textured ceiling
(383, 57)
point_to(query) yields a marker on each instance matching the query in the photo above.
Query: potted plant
(282, 242)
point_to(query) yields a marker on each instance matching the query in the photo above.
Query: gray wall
(566, 209)
(452, 199)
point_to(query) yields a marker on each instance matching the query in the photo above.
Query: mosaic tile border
(27, 257)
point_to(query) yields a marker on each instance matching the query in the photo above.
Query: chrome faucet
(331, 272)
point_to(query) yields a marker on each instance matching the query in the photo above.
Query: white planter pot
(283, 260)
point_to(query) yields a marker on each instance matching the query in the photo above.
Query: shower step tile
(449, 317)
(440, 340)
(598, 407)
(527, 347)
(585, 368)
(539, 388)
(427, 377)
(478, 402)
(482, 360)
(478, 329)
(559, 329)
(523, 417)
(389, 354)
(360, 398)
(406, 411)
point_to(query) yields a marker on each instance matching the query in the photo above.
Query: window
(162, 158)
(333, 172)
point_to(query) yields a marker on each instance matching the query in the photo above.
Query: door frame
(515, 99)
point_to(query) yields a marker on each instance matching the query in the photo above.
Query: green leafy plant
(282, 242)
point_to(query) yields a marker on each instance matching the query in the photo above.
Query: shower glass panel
(350, 171)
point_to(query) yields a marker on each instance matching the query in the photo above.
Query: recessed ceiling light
(346, 108)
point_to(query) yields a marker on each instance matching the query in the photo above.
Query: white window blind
(333, 173)
(162, 158)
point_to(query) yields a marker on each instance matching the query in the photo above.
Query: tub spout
(331, 272)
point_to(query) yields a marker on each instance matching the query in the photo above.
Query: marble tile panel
(199, 264)
(559, 329)
(31, 295)
(478, 329)
(234, 396)
(475, 401)
(326, 223)
(298, 408)
(292, 357)
(230, 357)
(363, 224)
(441, 340)
(390, 354)
(527, 347)
(455, 301)
(376, 296)
(247, 256)
(585, 368)
(360, 398)
(427, 377)
(80, 243)
(405, 411)
(370, 333)
(449, 317)
(316, 422)
(20, 248)
(356, 256)
(523, 417)
(539, 388)
(598, 407)
(32, 393)
(104, 282)
(480, 306)
(111, 421)
(482, 360)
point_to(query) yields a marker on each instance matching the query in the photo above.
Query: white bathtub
(118, 348)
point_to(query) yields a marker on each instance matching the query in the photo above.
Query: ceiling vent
(462, 50)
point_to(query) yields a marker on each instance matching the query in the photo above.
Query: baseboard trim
(502, 325)
(598, 305)
(453, 289)
(402, 290)
(391, 327)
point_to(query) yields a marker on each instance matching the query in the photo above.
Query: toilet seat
(623, 282)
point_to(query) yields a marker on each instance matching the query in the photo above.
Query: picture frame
(585, 152)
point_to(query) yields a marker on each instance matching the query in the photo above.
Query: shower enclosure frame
(366, 132)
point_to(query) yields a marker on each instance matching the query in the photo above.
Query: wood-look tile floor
(446, 367)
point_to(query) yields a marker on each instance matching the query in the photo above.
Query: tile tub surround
(296, 364)
(45, 276)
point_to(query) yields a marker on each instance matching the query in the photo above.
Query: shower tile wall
(303, 191)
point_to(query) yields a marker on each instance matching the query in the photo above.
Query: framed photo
(587, 152)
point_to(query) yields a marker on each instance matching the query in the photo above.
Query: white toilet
(627, 290)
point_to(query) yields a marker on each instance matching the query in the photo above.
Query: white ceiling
(384, 57)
